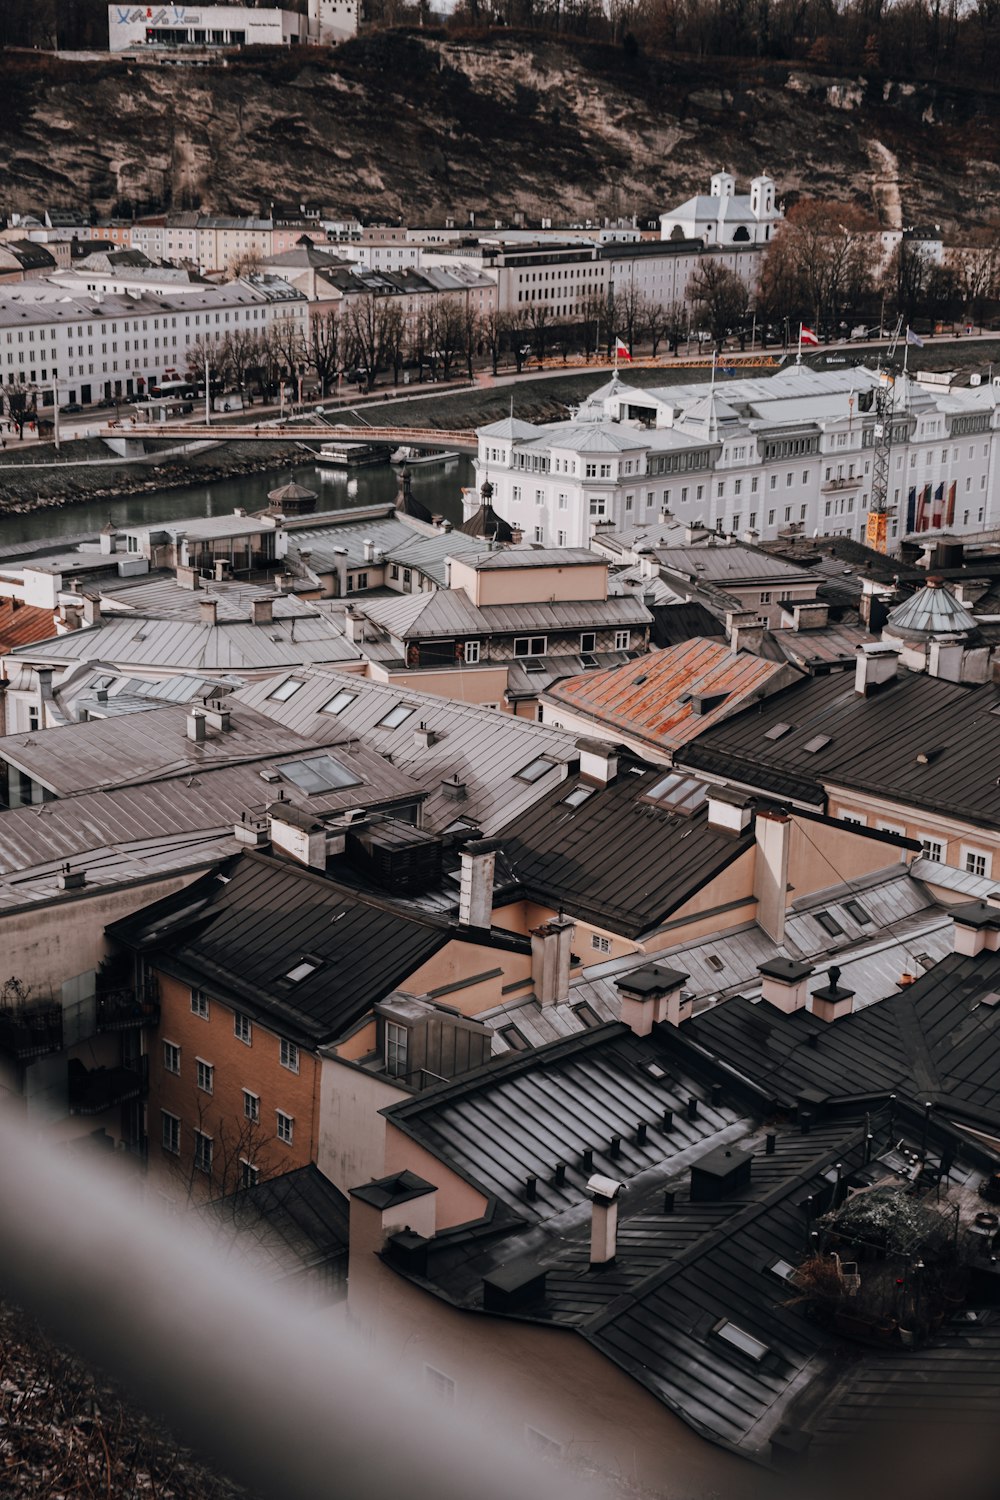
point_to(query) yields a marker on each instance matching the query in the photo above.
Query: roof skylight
(679, 794)
(535, 769)
(776, 731)
(829, 923)
(285, 690)
(738, 1337)
(321, 773)
(338, 703)
(816, 743)
(578, 796)
(302, 970)
(396, 716)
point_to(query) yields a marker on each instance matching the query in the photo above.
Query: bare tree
(21, 406)
(540, 327)
(392, 336)
(721, 298)
(325, 351)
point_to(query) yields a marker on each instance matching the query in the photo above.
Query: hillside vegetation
(421, 125)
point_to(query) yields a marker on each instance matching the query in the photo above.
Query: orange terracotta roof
(23, 624)
(667, 698)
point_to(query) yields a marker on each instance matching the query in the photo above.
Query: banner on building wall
(949, 515)
(911, 509)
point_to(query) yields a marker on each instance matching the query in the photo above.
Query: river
(437, 487)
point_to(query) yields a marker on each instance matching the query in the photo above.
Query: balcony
(93, 1090)
(839, 486)
(121, 1009)
(31, 1030)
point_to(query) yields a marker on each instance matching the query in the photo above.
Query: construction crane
(877, 527)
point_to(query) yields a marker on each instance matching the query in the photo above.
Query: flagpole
(715, 355)
(798, 357)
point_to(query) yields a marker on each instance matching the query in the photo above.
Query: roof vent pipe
(604, 1192)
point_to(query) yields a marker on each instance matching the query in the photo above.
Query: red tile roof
(23, 624)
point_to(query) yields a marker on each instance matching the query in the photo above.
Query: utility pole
(208, 394)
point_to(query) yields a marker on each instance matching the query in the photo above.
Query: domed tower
(485, 521)
(406, 502)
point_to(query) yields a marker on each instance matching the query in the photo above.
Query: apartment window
(199, 1004)
(933, 848)
(623, 639)
(976, 863)
(249, 1174)
(203, 1151)
(600, 944)
(858, 819)
(251, 1106)
(288, 1056)
(765, 597)
(588, 640)
(539, 534)
(170, 1137)
(471, 653)
(243, 1028)
(530, 645)
(206, 1076)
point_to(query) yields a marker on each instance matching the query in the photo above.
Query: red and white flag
(806, 335)
(621, 351)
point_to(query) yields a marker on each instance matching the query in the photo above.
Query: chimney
(453, 787)
(513, 1286)
(71, 880)
(390, 1204)
(252, 830)
(423, 737)
(770, 872)
(877, 663)
(108, 535)
(833, 1001)
(196, 726)
(475, 902)
(340, 564)
(721, 1175)
(298, 834)
(783, 983)
(218, 716)
(976, 928)
(208, 611)
(598, 761)
(551, 952)
(91, 609)
(650, 995)
(187, 578)
(355, 625)
(368, 549)
(729, 812)
(944, 657)
(604, 1192)
(811, 616)
(262, 611)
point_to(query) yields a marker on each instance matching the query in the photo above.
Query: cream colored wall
(821, 856)
(531, 585)
(463, 685)
(360, 1043)
(351, 1148)
(52, 942)
(511, 1376)
(701, 915)
(458, 1202)
(955, 834)
(458, 961)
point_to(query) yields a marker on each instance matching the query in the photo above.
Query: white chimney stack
(475, 902)
(976, 928)
(598, 761)
(729, 812)
(877, 663)
(770, 872)
(605, 1192)
(196, 727)
(653, 994)
(551, 953)
(784, 984)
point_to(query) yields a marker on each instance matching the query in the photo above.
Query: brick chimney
(833, 1000)
(652, 994)
(551, 951)
(262, 611)
(208, 610)
(783, 983)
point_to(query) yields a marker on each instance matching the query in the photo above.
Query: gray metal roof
(450, 612)
(189, 646)
(481, 747)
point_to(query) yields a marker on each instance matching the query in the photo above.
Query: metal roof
(657, 699)
(619, 859)
(918, 741)
(286, 1225)
(361, 948)
(450, 612)
(731, 565)
(477, 749)
(190, 646)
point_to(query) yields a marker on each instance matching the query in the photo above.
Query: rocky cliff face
(420, 126)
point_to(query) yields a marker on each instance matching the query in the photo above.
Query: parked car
(69, 409)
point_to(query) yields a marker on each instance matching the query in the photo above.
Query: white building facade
(753, 459)
(93, 346)
(724, 217)
(159, 26)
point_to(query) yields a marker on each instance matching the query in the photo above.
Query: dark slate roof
(239, 938)
(618, 860)
(519, 1117)
(873, 744)
(293, 1225)
(681, 1270)
(938, 1039)
(675, 623)
(487, 523)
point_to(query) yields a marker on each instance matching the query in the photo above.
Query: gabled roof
(191, 646)
(937, 1039)
(21, 624)
(668, 697)
(620, 859)
(241, 940)
(918, 741)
